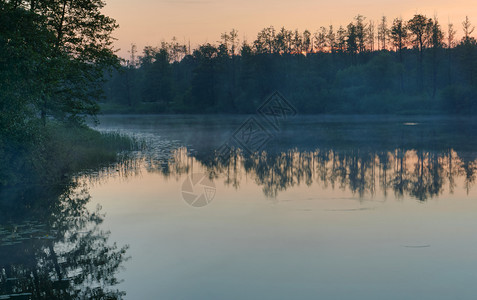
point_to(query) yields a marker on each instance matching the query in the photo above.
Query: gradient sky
(148, 22)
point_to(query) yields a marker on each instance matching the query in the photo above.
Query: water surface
(330, 207)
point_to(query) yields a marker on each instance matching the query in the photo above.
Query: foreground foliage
(52, 58)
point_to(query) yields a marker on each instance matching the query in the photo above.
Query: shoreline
(58, 152)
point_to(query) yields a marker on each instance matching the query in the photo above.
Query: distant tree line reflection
(404, 172)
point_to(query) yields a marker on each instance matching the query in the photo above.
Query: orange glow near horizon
(147, 22)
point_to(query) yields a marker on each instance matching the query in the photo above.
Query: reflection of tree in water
(418, 173)
(51, 247)
(469, 167)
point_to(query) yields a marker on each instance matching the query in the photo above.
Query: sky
(148, 22)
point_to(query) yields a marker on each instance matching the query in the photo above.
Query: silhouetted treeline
(412, 66)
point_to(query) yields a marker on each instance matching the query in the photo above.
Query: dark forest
(399, 66)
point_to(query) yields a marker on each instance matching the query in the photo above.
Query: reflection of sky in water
(364, 212)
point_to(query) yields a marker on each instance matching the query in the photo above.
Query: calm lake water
(235, 207)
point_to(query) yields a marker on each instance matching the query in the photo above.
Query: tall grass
(57, 151)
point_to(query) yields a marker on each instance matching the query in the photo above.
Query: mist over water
(331, 207)
(279, 198)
